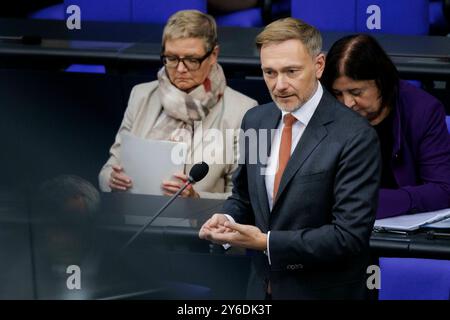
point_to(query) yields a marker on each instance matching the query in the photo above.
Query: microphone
(197, 173)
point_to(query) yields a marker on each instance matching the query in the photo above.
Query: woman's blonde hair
(191, 24)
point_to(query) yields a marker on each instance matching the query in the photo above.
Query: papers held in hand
(149, 162)
(411, 222)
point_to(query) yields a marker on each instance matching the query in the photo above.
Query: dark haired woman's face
(362, 96)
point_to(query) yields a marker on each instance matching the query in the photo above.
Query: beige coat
(143, 109)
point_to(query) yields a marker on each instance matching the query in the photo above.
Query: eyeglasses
(192, 64)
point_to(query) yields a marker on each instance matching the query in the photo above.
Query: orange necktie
(285, 151)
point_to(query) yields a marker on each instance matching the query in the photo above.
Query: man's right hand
(119, 181)
(215, 224)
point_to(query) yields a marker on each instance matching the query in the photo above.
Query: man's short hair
(191, 24)
(288, 29)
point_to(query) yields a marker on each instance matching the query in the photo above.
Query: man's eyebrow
(294, 66)
(298, 67)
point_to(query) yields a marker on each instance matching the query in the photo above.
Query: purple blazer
(420, 156)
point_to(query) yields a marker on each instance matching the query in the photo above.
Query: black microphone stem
(156, 215)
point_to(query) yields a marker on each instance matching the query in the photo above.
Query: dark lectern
(66, 255)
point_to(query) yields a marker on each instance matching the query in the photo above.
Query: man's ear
(319, 65)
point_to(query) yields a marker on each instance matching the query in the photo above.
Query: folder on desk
(411, 222)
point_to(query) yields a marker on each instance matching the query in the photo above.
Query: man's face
(290, 73)
(189, 48)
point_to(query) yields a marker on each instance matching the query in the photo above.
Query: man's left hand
(241, 235)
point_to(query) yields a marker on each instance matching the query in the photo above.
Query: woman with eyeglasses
(189, 98)
(415, 144)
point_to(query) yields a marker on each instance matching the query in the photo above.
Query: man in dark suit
(309, 210)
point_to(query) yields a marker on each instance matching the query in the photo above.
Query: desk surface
(139, 45)
(195, 212)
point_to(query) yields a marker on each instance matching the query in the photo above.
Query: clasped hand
(218, 229)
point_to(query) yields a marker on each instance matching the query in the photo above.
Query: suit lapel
(269, 122)
(313, 135)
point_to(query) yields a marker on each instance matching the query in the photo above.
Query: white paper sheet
(149, 162)
(444, 224)
(412, 222)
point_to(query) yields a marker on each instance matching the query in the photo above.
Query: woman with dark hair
(410, 123)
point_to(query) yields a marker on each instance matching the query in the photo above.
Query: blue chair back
(394, 17)
(326, 15)
(414, 279)
(102, 10)
(373, 16)
(153, 11)
(447, 119)
(146, 11)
